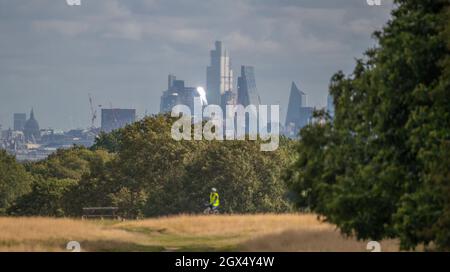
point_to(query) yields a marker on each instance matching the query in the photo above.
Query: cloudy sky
(53, 55)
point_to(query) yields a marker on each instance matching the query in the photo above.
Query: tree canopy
(14, 181)
(380, 167)
(145, 172)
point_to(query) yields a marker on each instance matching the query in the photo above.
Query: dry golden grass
(230, 224)
(264, 232)
(49, 234)
(312, 241)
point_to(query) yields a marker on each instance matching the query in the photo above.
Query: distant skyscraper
(31, 129)
(296, 101)
(298, 114)
(330, 105)
(305, 116)
(228, 98)
(247, 91)
(219, 76)
(19, 121)
(177, 94)
(117, 118)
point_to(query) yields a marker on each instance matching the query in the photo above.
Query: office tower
(305, 116)
(19, 121)
(298, 114)
(219, 76)
(170, 97)
(31, 129)
(171, 81)
(177, 94)
(247, 91)
(117, 118)
(227, 98)
(330, 105)
(247, 94)
(296, 101)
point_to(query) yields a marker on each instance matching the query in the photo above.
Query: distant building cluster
(220, 90)
(28, 141)
(219, 84)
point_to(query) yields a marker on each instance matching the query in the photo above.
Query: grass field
(268, 232)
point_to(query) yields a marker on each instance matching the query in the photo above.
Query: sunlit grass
(263, 232)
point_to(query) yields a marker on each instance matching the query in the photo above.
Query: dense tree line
(144, 172)
(381, 167)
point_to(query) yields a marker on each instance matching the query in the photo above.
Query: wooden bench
(100, 212)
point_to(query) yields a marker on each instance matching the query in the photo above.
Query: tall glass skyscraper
(297, 100)
(219, 75)
(247, 91)
(298, 115)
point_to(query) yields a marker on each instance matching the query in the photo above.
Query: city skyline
(54, 55)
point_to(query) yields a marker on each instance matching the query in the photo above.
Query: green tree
(67, 181)
(424, 214)
(95, 185)
(108, 141)
(148, 173)
(379, 168)
(64, 163)
(45, 199)
(14, 181)
(176, 176)
(149, 160)
(248, 179)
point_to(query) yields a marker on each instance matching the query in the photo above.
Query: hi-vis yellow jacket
(214, 199)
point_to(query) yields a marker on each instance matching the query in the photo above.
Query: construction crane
(93, 112)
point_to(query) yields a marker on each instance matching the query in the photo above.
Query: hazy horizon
(53, 55)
